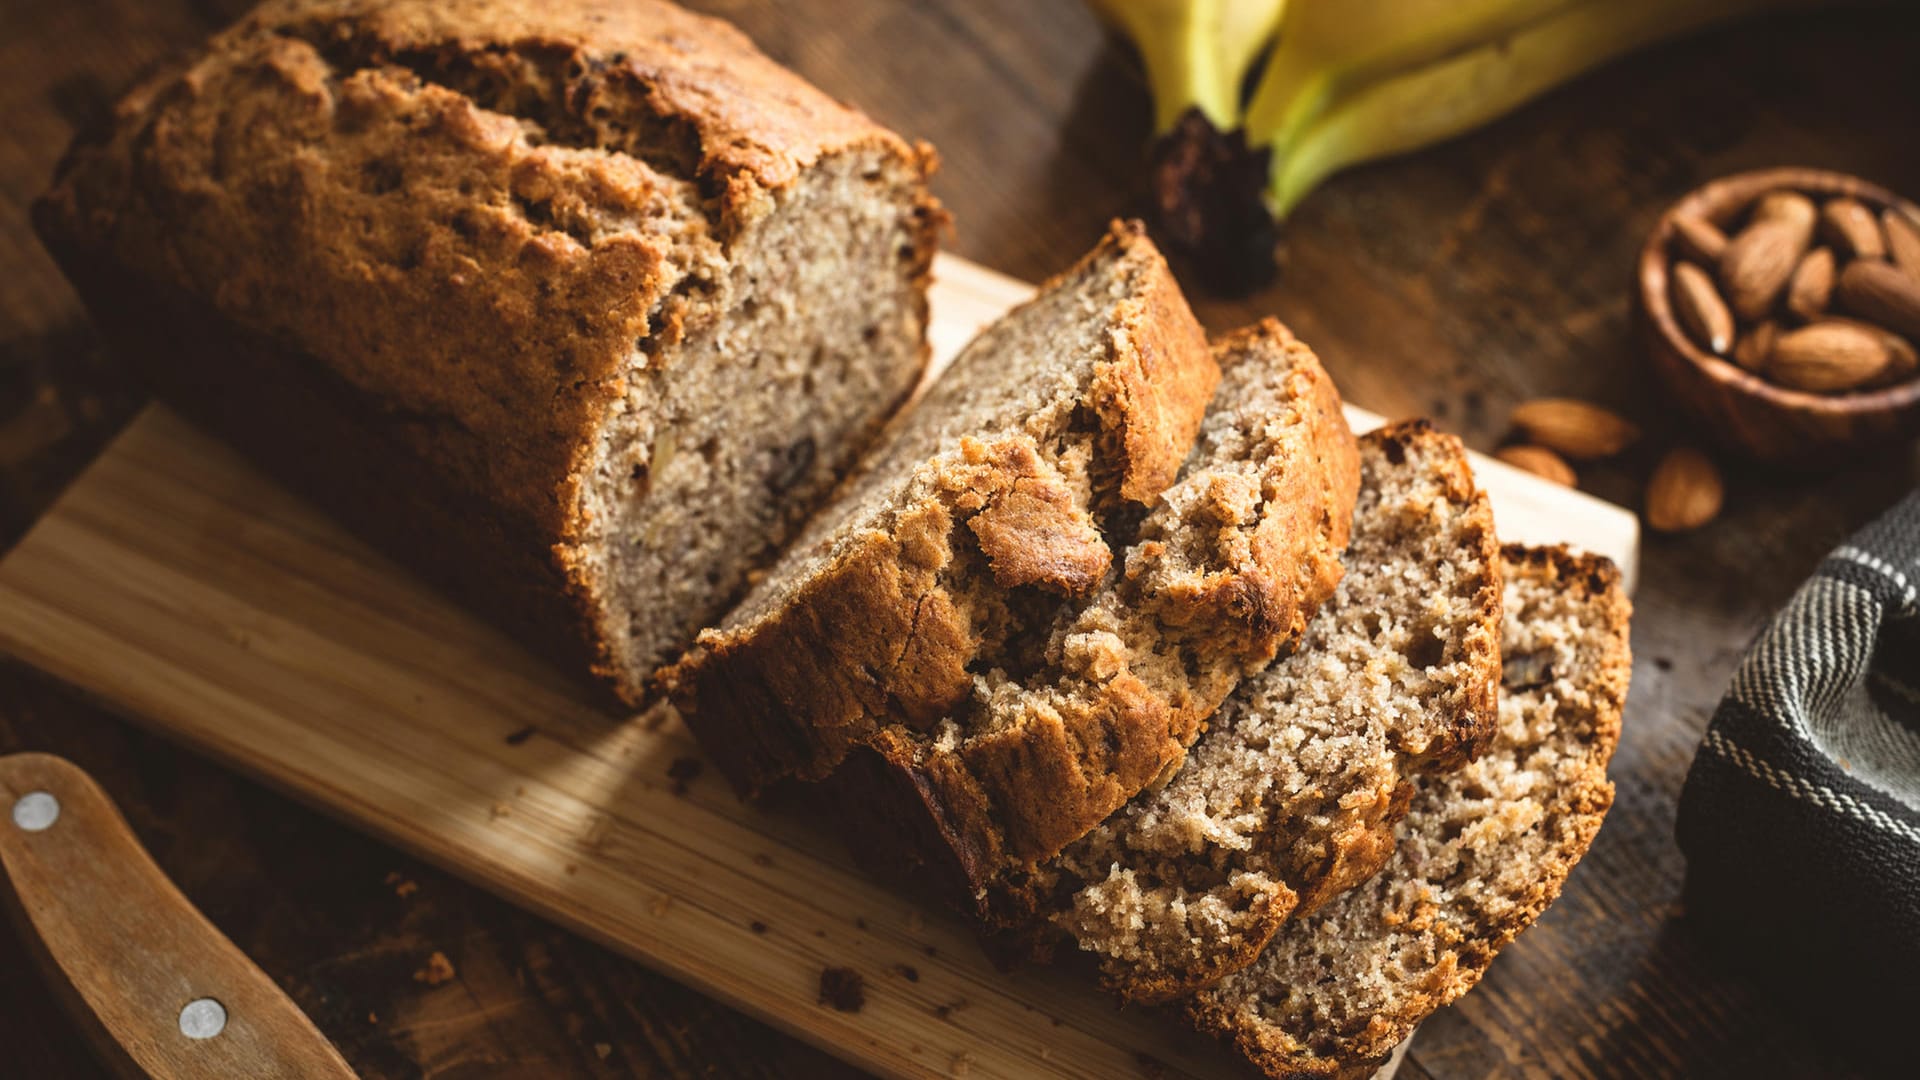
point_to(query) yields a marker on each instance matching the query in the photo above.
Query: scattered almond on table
(1685, 491)
(1575, 429)
(1822, 297)
(1539, 461)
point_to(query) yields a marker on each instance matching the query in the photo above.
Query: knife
(156, 988)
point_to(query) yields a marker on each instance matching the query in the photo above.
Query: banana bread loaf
(984, 642)
(577, 306)
(1482, 851)
(1291, 794)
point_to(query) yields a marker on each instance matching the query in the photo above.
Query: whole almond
(1539, 461)
(1757, 263)
(1902, 361)
(1852, 228)
(1573, 428)
(1753, 347)
(1903, 241)
(1685, 491)
(1698, 239)
(1700, 308)
(1811, 286)
(1881, 293)
(1828, 357)
(1788, 206)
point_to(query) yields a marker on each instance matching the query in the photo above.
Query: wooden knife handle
(158, 990)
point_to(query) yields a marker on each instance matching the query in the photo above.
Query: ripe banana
(1332, 47)
(1349, 81)
(1465, 88)
(1196, 52)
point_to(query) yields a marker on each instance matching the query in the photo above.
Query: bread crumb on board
(843, 989)
(438, 969)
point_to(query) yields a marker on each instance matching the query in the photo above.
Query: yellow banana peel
(1348, 81)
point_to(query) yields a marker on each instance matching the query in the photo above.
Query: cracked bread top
(577, 176)
(1482, 851)
(575, 169)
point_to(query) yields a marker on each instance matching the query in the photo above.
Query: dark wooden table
(1452, 283)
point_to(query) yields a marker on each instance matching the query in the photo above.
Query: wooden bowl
(1744, 412)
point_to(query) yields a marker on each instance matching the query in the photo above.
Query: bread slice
(1292, 793)
(988, 646)
(1482, 852)
(579, 307)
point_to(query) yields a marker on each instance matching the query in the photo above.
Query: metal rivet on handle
(36, 810)
(203, 1018)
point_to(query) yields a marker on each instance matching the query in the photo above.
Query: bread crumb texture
(1292, 793)
(1481, 853)
(1048, 576)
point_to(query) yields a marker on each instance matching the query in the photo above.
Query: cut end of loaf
(1482, 852)
(1291, 794)
(749, 399)
(603, 295)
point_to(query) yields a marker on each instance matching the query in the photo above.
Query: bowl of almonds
(1782, 308)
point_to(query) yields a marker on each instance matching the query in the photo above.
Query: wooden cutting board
(186, 590)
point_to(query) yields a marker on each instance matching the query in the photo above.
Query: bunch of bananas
(1346, 81)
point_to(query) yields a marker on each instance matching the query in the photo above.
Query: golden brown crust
(478, 332)
(1151, 397)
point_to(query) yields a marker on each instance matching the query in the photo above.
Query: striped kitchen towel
(1800, 819)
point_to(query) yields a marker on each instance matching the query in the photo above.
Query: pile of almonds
(1684, 492)
(1821, 297)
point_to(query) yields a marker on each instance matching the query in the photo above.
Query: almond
(1811, 285)
(1685, 491)
(1757, 263)
(1881, 293)
(1701, 310)
(1698, 239)
(1574, 429)
(1902, 361)
(1852, 229)
(1828, 356)
(1786, 206)
(1903, 241)
(1754, 346)
(1539, 461)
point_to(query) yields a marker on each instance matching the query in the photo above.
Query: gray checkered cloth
(1801, 816)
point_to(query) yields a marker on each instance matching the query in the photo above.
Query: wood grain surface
(126, 953)
(176, 583)
(1453, 282)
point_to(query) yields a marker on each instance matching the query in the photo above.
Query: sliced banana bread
(1482, 851)
(990, 643)
(578, 306)
(1292, 793)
